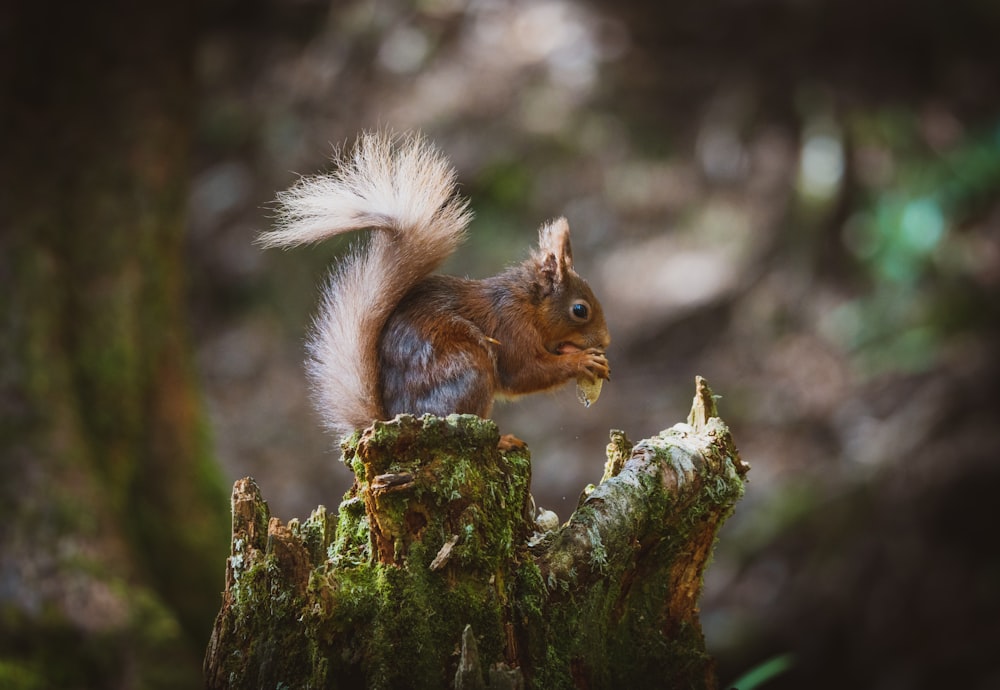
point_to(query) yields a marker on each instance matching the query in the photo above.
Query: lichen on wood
(427, 578)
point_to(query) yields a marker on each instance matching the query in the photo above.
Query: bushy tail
(405, 189)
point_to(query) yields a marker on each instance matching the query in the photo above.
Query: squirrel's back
(403, 188)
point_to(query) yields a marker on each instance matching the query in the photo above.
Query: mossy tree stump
(434, 575)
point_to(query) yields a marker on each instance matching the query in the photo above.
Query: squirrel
(390, 337)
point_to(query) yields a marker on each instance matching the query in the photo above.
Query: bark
(434, 574)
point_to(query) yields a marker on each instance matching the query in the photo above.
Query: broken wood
(434, 573)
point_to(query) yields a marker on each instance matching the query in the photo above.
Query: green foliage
(908, 239)
(763, 672)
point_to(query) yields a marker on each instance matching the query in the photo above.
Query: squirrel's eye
(580, 311)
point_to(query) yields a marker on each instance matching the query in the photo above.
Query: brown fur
(392, 338)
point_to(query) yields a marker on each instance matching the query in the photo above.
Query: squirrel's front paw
(595, 365)
(591, 364)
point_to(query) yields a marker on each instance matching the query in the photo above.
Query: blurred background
(797, 199)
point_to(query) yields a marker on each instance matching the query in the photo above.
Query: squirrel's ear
(555, 255)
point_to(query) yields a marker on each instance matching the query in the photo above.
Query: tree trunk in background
(430, 577)
(113, 512)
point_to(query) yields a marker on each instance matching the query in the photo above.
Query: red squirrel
(390, 337)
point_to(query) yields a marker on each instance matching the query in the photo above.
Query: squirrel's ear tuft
(554, 255)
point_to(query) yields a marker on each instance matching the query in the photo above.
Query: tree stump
(435, 573)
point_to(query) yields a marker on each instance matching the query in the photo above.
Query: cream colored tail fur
(405, 189)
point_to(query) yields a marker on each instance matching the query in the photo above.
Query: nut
(587, 392)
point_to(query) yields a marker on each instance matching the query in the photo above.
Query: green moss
(351, 544)
(396, 620)
(375, 615)
(372, 624)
